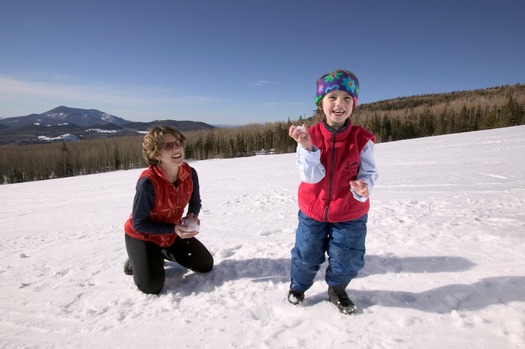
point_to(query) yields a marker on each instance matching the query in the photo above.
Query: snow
(99, 130)
(444, 267)
(68, 137)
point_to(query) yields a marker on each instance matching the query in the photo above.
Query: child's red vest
(331, 200)
(168, 204)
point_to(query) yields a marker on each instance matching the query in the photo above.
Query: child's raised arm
(301, 136)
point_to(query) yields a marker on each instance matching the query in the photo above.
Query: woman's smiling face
(172, 152)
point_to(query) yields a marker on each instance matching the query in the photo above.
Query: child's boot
(337, 295)
(295, 297)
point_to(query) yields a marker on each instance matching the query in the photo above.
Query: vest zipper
(330, 182)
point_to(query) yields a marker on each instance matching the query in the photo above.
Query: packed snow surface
(445, 264)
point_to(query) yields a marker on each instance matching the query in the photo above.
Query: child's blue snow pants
(343, 242)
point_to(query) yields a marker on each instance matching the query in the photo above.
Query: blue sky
(242, 61)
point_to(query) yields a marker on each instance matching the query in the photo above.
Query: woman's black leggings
(147, 260)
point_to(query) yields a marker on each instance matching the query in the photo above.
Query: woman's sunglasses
(174, 144)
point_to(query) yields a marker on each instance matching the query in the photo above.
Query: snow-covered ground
(445, 257)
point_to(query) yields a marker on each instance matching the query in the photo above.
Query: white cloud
(262, 83)
(64, 92)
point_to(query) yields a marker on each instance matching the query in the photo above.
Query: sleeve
(142, 206)
(195, 204)
(311, 170)
(367, 169)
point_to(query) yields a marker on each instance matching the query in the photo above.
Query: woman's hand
(190, 226)
(191, 219)
(301, 136)
(184, 231)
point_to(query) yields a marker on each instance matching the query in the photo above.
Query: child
(336, 162)
(156, 230)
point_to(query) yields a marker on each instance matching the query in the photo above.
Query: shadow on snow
(442, 300)
(485, 292)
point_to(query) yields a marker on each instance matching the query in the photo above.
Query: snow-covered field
(445, 257)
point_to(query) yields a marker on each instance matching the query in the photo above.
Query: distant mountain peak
(63, 114)
(81, 123)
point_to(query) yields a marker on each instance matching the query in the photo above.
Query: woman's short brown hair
(154, 142)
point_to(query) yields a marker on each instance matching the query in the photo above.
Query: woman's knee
(152, 286)
(205, 265)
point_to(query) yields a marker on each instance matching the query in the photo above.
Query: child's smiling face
(337, 107)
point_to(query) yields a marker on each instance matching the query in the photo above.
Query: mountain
(64, 115)
(65, 123)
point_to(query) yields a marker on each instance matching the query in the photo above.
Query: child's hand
(360, 187)
(301, 136)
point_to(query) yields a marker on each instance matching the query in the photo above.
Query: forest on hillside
(391, 120)
(438, 114)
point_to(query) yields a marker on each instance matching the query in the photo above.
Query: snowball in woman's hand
(192, 225)
(300, 129)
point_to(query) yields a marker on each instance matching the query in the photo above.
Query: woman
(156, 230)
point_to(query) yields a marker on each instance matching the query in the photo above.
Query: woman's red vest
(168, 205)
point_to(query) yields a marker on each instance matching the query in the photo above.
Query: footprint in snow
(269, 232)
(228, 252)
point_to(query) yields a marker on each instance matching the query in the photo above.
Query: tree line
(402, 118)
(22, 163)
(434, 120)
